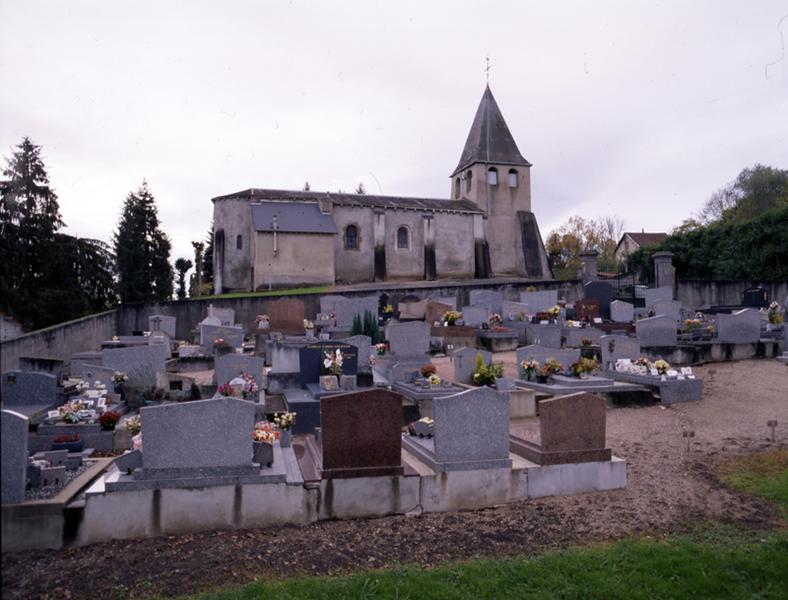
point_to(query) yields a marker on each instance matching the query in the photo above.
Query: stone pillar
(481, 250)
(430, 263)
(218, 261)
(588, 271)
(664, 272)
(379, 239)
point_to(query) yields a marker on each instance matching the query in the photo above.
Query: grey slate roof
(292, 217)
(361, 200)
(489, 140)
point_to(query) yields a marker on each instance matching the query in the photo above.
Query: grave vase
(541, 379)
(310, 332)
(263, 453)
(120, 390)
(286, 438)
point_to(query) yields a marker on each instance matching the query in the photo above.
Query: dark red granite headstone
(286, 316)
(361, 434)
(435, 311)
(587, 309)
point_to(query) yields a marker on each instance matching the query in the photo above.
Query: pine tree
(306, 186)
(29, 220)
(207, 262)
(142, 251)
(195, 284)
(181, 266)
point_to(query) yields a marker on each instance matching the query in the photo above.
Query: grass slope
(764, 474)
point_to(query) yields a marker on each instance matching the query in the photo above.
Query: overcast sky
(640, 110)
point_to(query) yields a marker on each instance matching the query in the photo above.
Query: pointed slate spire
(489, 140)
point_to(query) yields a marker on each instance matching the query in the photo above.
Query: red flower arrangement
(109, 419)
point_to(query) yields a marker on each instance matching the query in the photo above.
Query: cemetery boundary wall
(134, 317)
(702, 293)
(60, 341)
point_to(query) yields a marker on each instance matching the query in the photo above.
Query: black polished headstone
(603, 292)
(311, 359)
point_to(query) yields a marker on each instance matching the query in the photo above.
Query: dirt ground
(668, 490)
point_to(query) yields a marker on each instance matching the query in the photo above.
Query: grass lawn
(717, 562)
(293, 291)
(764, 474)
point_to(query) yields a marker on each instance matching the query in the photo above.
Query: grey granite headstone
(450, 300)
(539, 301)
(464, 362)
(140, 363)
(14, 456)
(408, 339)
(660, 293)
(621, 312)
(79, 359)
(94, 373)
(575, 336)
(364, 345)
(618, 346)
(543, 335)
(28, 388)
(474, 316)
(229, 366)
(489, 299)
(234, 336)
(128, 462)
(203, 434)
(541, 353)
(284, 356)
(346, 308)
(470, 431)
(740, 327)
(668, 308)
(211, 320)
(656, 331)
(513, 310)
(163, 323)
(226, 316)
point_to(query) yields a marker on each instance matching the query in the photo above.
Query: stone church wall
(302, 259)
(354, 266)
(233, 218)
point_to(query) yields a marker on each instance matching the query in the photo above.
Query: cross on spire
(487, 68)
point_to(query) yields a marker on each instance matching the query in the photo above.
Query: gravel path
(668, 490)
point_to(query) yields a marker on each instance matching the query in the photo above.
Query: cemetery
(355, 411)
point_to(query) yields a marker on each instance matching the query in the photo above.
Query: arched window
(468, 177)
(512, 177)
(239, 242)
(492, 176)
(351, 237)
(403, 238)
(457, 187)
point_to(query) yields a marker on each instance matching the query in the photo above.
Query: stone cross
(772, 424)
(688, 435)
(156, 323)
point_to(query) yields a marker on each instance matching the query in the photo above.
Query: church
(267, 239)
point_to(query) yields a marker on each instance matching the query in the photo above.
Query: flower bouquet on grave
(495, 320)
(249, 388)
(225, 390)
(262, 321)
(109, 420)
(264, 435)
(554, 312)
(434, 380)
(528, 369)
(662, 366)
(550, 367)
(427, 370)
(285, 421)
(381, 348)
(82, 386)
(584, 366)
(133, 424)
(450, 318)
(485, 374)
(332, 369)
(775, 314)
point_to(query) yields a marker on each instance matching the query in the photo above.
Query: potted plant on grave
(485, 374)
(434, 381)
(427, 370)
(495, 320)
(381, 348)
(775, 316)
(550, 367)
(661, 366)
(119, 378)
(72, 443)
(553, 313)
(262, 321)
(285, 422)
(109, 420)
(529, 368)
(221, 347)
(264, 435)
(309, 328)
(583, 367)
(450, 318)
(332, 368)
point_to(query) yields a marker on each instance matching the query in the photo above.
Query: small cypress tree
(357, 328)
(371, 328)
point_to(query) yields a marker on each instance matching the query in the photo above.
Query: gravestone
(14, 456)
(448, 300)
(346, 308)
(364, 345)
(656, 331)
(543, 335)
(94, 373)
(140, 363)
(361, 433)
(213, 321)
(618, 346)
(286, 316)
(229, 366)
(464, 363)
(53, 366)
(162, 339)
(622, 312)
(740, 327)
(474, 316)
(575, 336)
(409, 339)
(513, 310)
(311, 357)
(226, 316)
(539, 301)
(669, 308)
(755, 296)
(435, 311)
(572, 430)
(470, 431)
(660, 293)
(29, 388)
(163, 323)
(413, 310)
(540, 353)
(234, 336)
(80, 359)
(489, 299)
(603, 292)
(587, 309)
(212, 436)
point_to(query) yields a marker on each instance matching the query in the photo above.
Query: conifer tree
(181, 266)
(142, 251)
